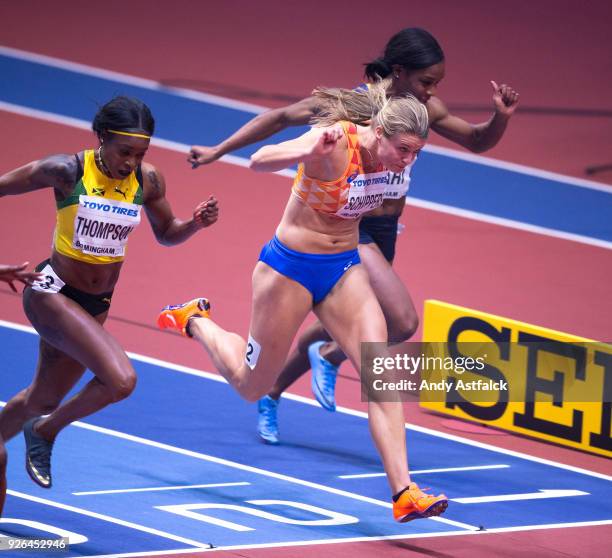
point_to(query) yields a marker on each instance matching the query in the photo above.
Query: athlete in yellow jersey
(8, 274)
(99, 195)
(95, 220)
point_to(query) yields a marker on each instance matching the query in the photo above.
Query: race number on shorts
(50, 283)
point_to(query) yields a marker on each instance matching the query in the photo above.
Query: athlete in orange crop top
(414, 62)
(312, 265)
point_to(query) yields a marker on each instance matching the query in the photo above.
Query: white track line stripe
(159, 488)
(158, 142)
(108, 518)
(129, 80)
(509, 223)
(424, 471)
(521, 169)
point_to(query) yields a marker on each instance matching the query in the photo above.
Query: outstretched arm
(168, 229)
(476, 137)
(56, 171)
(313, 146)
(261, 127)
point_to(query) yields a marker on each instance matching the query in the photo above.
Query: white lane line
(521, 169)
(424, 471)
(129, 80)
(509, 223)
(257, 109)
(158, 488)
(109, 519)
(540, 495)
(158, 142)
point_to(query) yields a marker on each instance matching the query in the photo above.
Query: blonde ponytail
(372, 106)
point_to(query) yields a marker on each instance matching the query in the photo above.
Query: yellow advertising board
(559, 386)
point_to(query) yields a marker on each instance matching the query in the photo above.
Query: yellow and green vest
(95, 220)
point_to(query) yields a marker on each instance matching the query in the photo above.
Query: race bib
(102, 227)
(366, 192)
(50, 283)
(397, 184)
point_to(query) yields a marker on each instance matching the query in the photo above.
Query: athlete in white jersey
(414, 62)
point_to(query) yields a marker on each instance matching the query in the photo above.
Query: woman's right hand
(202, 155)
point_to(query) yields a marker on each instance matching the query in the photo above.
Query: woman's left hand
(505, 98)
(206, 213)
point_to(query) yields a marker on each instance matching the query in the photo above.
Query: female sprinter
(313, 264)
(414, 61)
(98, 194)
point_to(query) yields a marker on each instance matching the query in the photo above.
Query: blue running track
(178, 465)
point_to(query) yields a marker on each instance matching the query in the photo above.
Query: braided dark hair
(125, 114)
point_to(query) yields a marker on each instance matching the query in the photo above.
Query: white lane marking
(542, 494)
(145, 83)
(73, 538)
(424, 471)
(509, 223)
(158, 488)
(108, 518)
(521, 169)
(85, 125)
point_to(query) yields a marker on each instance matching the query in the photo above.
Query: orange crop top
(352, 194)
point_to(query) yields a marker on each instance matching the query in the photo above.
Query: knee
(403, 328)
(122, 386)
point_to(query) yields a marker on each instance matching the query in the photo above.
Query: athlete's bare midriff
(313, 232)
(87, 277)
